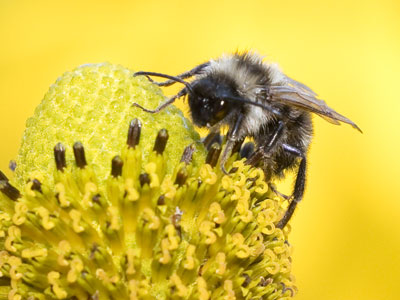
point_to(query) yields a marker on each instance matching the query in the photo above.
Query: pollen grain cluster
(156, 220)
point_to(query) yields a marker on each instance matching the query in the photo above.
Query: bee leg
(196, 70)
(273, 188)
(264, 150)
(232, 138)
(298, 186)
(164, 105)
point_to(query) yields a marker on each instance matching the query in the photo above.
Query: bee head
(208, 101)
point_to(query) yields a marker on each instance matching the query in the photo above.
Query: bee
(254, 99)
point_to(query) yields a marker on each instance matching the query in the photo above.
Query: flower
(110, 202)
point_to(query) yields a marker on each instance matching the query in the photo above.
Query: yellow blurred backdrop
(346, 232)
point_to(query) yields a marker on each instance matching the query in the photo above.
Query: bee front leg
(298, 187)
(232, 138)
(164, 105)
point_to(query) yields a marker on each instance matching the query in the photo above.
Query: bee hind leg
(232, 140)
(298, 187)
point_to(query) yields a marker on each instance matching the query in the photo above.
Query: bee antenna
(265, 106)
(177, 79)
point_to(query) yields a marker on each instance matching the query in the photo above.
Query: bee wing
(299, 95)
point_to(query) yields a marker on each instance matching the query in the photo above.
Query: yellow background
(346, 232)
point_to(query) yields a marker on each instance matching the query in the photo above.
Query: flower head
(110, 202)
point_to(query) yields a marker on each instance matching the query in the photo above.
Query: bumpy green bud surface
(92, 104)
(114, 219)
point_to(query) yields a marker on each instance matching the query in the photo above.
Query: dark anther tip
(96, 198)
(134, 133)
(144, 179)
(236, 146)
(79, 153)
(116, 166)
(246, 281)
(3, 176)
(10, 191)
(59, 155)
(36, 185)
(213, 154)
(247, 150)
(188, 154)
(161, 141)
(161, 200)
(181, 176)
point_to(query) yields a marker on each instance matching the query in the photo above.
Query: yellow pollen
(76, 216)
(52, 278)
(45, 215)
(207, 174)
(90, 190)
(62, 198)
(182, 290)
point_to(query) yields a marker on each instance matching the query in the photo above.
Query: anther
(59, 155)
(188, 154)
(161, 200)
(161, 141)
(3, 176)
(181, 176)
(96, 198)
(36, 185)
(79, 153)
(246, 281)
(134, 133)
(116, 166)
(7, 189)
(213, 154)
(144, 179)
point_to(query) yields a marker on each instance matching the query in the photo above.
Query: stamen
(3, 176)
(96, 198)
(59, 155)
(144, 178)
(161, 200)
(213, 154)
(246, 281)
(134, 133)
(7, 189)
(188, 154)
(36, 185)
(161, 141)
(181, 176)
(116, 166)
(79, 153)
